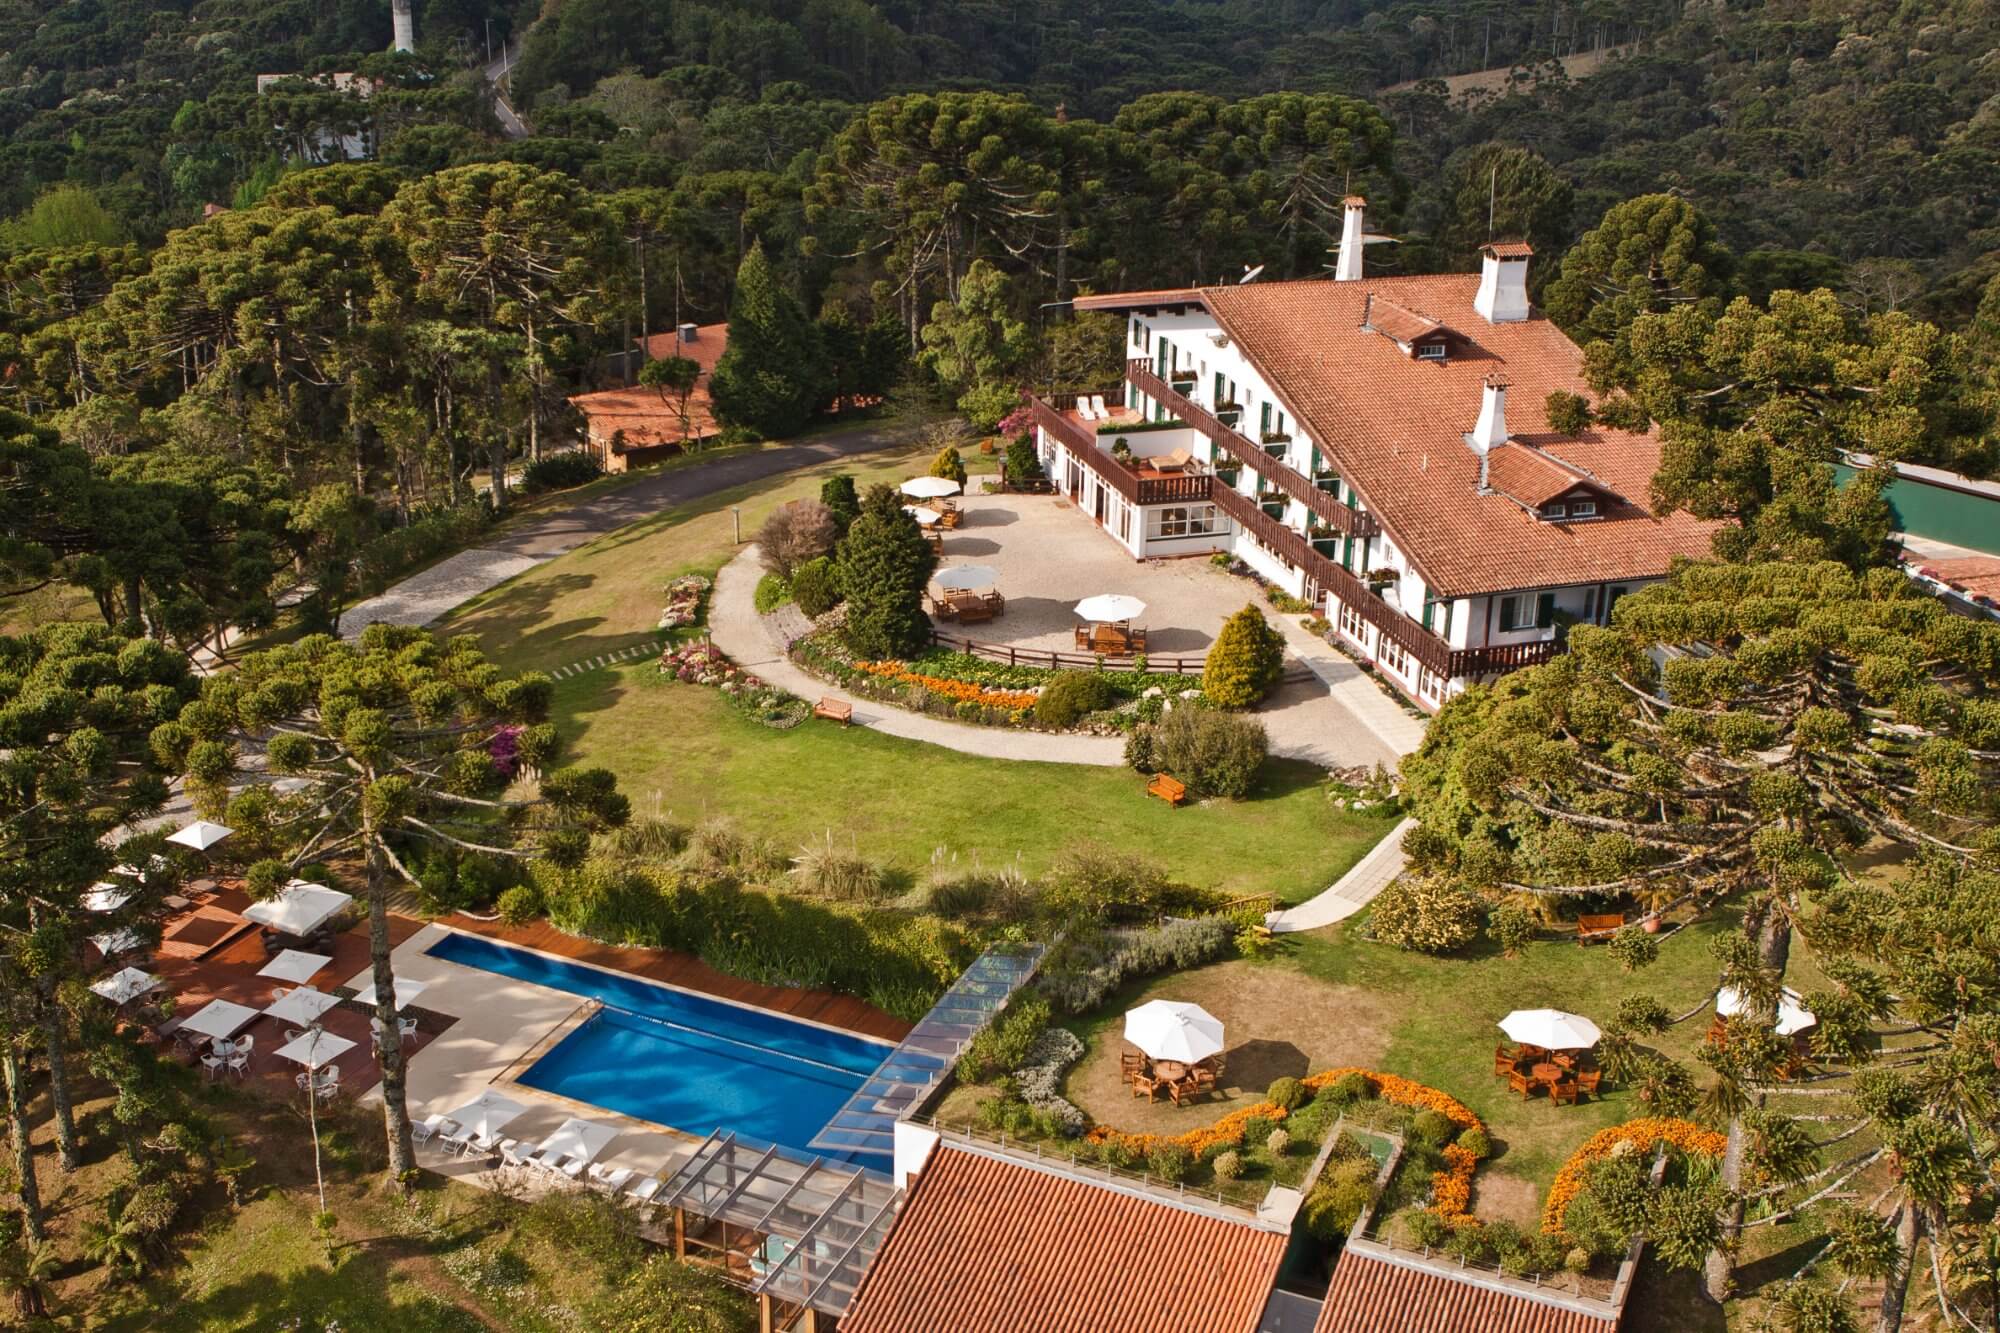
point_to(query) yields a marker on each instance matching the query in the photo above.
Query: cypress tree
(837, 493)
(772, 376)
(884, 564)
(1245, 661)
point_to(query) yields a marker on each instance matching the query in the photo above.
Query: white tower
(406, 25)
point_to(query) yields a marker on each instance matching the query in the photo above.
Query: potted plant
(1182, 380)
(1378, 579)
(1121, 449)
(1228, 412)
(1277, 437)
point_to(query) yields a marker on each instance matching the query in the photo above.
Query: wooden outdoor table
(1173, 1071)
(1546, 1071)
(972, 607)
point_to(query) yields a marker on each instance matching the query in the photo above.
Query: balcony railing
(1081, 441)
(1239, 446)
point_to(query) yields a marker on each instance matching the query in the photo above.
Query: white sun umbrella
(930, 488)
(201, 835)
(924, 516)
(125, 986)
(1551, 1029)
(961, 577)
(294, 965)
(1174, 1030)
(1110, 607)
(299, 908)
(219, 1018)
(117, 941)
(407, 992)
(1793, 1016)
(104, 896)
(315, 1047)
(487, 1114)
(303, 1005)
(576, 1137)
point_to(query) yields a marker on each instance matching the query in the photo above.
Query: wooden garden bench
(834, 711)
(1171, 790)
(1590, 928)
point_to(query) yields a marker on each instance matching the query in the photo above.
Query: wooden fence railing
(1043, 657)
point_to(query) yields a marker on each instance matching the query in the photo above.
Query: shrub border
(1643, 1133)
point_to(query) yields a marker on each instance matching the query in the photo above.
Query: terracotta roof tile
(1509, 249)
(992, 1246)
(1126, 300)
(1395, 426)
(1400, 322)
(1533, 477)
(1372, 1295)
(640, 412)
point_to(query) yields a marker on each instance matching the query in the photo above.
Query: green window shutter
(1264, 418)
(1430, 610)
(1508, 613)
(1545, 610)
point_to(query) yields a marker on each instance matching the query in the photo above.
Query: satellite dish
(1249, 275)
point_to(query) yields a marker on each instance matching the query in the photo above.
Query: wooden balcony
(1081, 441)
(1257, 457)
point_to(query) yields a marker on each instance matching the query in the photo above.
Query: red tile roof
(1534, 477)
(1509, 249)
(1395, 427)
(987, 1245)
(1400, 322)
(1379, 1295)
(640, 412)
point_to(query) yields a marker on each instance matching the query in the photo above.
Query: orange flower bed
(1451, 1189)
(962, 690)
(1643, 1134)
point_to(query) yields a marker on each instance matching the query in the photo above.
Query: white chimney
(688, 332)
(1491, 428)
(1503, 281)
(405, 24)
(1348, 268)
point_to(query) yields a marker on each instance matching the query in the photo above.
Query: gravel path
(424, 597)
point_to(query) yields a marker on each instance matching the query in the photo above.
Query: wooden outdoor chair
(1130, 1063)
(1136, 640)
(948, 519)
(942, 608)
(1184, 1089)
(1503, 1061)
(1521, 1083)
(1567, 1059)
(996, 603)
(1587, 1081)
(1083, 638)
(1563, 1091)
(1144, 1085)
(1523, 1051)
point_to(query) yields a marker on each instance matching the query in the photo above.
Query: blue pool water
(685, 1060)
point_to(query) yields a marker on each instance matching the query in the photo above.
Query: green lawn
(680, 750)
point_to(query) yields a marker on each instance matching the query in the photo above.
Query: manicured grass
(680, 750)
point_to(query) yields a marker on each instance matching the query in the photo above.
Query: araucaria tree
(884, 563)
(402, 740)
(771, 377)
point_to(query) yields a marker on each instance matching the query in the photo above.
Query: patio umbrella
(219, 1018)
(117, 942)
(1551, 1029)
(960, 577)
(315, 1047)
(299, 909)
(125, 986)
(1793, 1016)
(201, 835)
(487, 1114)
(929, 488)
(407, 992)
(924, 516)
(576, 1137)
(1110, 607)
(105, 897)
(303, 1005)
(1174, 1030)
(294, 965)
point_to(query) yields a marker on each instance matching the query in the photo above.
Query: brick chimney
(1490, 430)
(1348, 267)
(1503, 281)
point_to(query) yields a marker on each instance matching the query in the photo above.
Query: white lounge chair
(644, 1188)
(612, 1178)
(1083, 408)
(431, 1127)
(1097, 408)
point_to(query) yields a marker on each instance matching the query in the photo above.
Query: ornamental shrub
(1432, 1128)
(795, 533)
(1476, 1142)
(1467, 1241)
(1140, 754)
(1171, 1161)
(1228, 1164)
(520, 904)
(1215, 754)
(1634, 948)
(1432, 915)
(559, 472)
(1022, 465)
(884, 563)
(1425, 1229)
(1351, 1088)
(1337, 1200)
(949, 464)
(1278, 1142)
(816, 587)
(1511, 926)
(1245, 662)
(1288, 1093)
(1257, 1128)
(773, 591)
(1069, 695)
(837, 493)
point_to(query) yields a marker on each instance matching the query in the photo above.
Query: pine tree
(1245, 662)
(837, 493)
(949, 464)
(772, 376)
(884, 565)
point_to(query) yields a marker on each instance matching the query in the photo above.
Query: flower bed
(686, 601)
(1643, 1134)
(957, 690)
(1451, 1190)
(700, 662)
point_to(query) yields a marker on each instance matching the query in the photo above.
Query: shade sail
(407, 992)
(960, 577)
(576, 1137)
(930, 488)
(201, 835)
(1793, 1016)
(1110, 606)
(315, 1048)
(299, 908)
(1174, 1030)
(303, 1005)
(294, 965)
(487, 1114)
(1551, 1029)
(123, 986)
(219, 1018)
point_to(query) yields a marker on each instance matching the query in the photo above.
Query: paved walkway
(1352, 891)
(422, 598)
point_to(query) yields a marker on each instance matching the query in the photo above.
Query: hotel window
(1390, 655)
(1583, 509)
(1556, 510)
(1351, 623)
(1264, 419)
(1138, 332)
(1190, 521)
(1430, 351)
(1515, 611)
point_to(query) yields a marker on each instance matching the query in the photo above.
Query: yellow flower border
(964, 691)
(1643, 1134)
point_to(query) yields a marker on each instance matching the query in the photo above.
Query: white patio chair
(644, 1188)
(612, 1178)
(510, 1153)
(454, 1137)
(243, 1045)
(431, 1126)
(406, 1028)
(279, 992)
(239, 1064)
(1097, 409)
(214, 1064)
(293, 1034)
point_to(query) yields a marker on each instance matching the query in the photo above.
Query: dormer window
(1583, 509)
(1430, 351)
(1555, 510)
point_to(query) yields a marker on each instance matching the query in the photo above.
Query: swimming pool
(694, 1063)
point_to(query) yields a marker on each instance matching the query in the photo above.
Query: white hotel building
(1378, 445)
